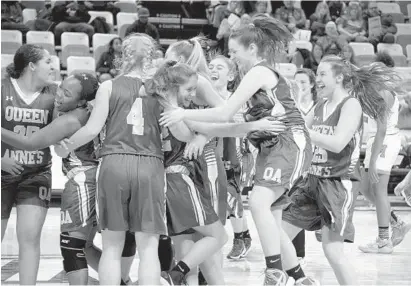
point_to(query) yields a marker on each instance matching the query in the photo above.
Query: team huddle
(155, 162)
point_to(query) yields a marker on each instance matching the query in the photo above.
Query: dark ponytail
(25, 55)
(89, 85)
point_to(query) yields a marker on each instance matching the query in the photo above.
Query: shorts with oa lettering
(131, 194)
(317, 201)
(78, 201)
(282, 164)
(28, 189)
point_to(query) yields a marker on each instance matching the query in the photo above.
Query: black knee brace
(72, 250)
(129, 249)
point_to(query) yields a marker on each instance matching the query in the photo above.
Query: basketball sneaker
(383, 246)
(237, 250)
(399, 231)
(247, 246)
(275, 277)
(173, 277)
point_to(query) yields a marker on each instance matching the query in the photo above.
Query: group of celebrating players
(145, 162)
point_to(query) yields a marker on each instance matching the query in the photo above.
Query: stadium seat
(123, 21)
(11, 40)
(403, 36)
(80, 64)
(5, 61)
(36, 5)
(294, 45)
(393, 9)
(55, 61)
(100, 44)
(126, 6)
(43, 39)
(287, 70)
(29, 14)
(395, 51)
(107, 15)
(363, 53)
(74, 44)
(409, 10)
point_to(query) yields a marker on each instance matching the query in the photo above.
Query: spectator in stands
(44, 20)
(337, 9)
(348, 53)
(261, 7)
(293, 17)
(318, 54)
(388, 28)
(318, 20)
(12, 16)
(103, 6)
(106, 66)
(71, 17)
(351, 26)
(143, 26)
(331, 43)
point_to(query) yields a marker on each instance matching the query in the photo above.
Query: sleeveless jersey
(278, 102)
(132, 125)
(392, 121)
(84, 157)
(327, 164)
(26, 118)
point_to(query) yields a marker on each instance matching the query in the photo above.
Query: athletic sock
(274, 262)
(181, 267)
(246, 234)
(238, 235)
(296, 272)
(383, 232)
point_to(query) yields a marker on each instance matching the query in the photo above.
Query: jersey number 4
(135, 117)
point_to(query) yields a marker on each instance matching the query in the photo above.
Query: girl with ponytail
(282, 158)
(325, 198)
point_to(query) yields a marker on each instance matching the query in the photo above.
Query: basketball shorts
(187, 205)
(28, 189)
(78, 201)
(248, 170)
(388, 155)
(316, 202)
(235, 206)
(131, 194)
(282, 164)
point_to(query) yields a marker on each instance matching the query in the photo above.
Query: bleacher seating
(74, 44)
(107, 15)
(127, 6)
(55, 62)
(363, 53)
(29, 14)
(395, 51)
(403, 36)
(393, 9)
(43, 39)
(80, 64)
(409, 10)
(5, 61)
(100, 44)
(11, 40)
(123, 21)
(36, 4)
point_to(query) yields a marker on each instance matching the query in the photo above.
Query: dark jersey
(132, 125)
(326, 163)
(84, 157)
(26, 118)
(279, 103)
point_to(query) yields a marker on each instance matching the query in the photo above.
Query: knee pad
(165, 253)
(72, 250)
(129, 249)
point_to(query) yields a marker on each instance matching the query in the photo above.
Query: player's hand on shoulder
(195, 148)
(171, 117)
(11, 166)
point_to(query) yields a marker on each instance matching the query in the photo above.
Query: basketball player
(130, 179)
(281, 162)
(307, 95)
(223, 73)
(325, 198)
(27, 105)
(383, 146)
(78, 222)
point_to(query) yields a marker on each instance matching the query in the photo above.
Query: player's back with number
(132, 125)
(25, 115)
(329, 164)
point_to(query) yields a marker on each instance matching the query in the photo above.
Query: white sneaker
(383, 246)
(275, 277)
(307, 281)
